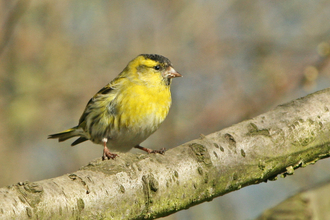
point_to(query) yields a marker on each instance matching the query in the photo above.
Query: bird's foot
(150, 151)
(108, 155)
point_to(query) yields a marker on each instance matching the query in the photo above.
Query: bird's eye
(157, 67)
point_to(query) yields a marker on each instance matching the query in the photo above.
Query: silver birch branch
(149, 186)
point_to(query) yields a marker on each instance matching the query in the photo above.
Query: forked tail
(67, 134)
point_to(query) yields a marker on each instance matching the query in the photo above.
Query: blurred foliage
(238, 59)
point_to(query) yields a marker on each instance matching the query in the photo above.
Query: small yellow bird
(129, 109)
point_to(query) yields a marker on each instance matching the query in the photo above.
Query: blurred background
(238, 58)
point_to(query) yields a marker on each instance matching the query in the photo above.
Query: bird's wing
(107, 92)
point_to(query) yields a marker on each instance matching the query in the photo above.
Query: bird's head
(152, 69)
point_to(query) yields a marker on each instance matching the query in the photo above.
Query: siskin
(129, 109)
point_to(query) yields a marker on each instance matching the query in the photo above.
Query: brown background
(238, 59)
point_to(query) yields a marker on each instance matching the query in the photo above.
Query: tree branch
(310, 204)
(148, 186)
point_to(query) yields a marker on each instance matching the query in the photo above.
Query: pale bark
(148, 186)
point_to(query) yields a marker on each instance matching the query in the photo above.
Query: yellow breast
(142, 107)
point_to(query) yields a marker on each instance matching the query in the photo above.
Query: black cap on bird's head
(158, 58)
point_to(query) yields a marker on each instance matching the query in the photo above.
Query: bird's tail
(67, 134)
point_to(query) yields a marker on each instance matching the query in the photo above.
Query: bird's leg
(106, 153)
(150, 151)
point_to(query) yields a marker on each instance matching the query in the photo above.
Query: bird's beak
(171, 73)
